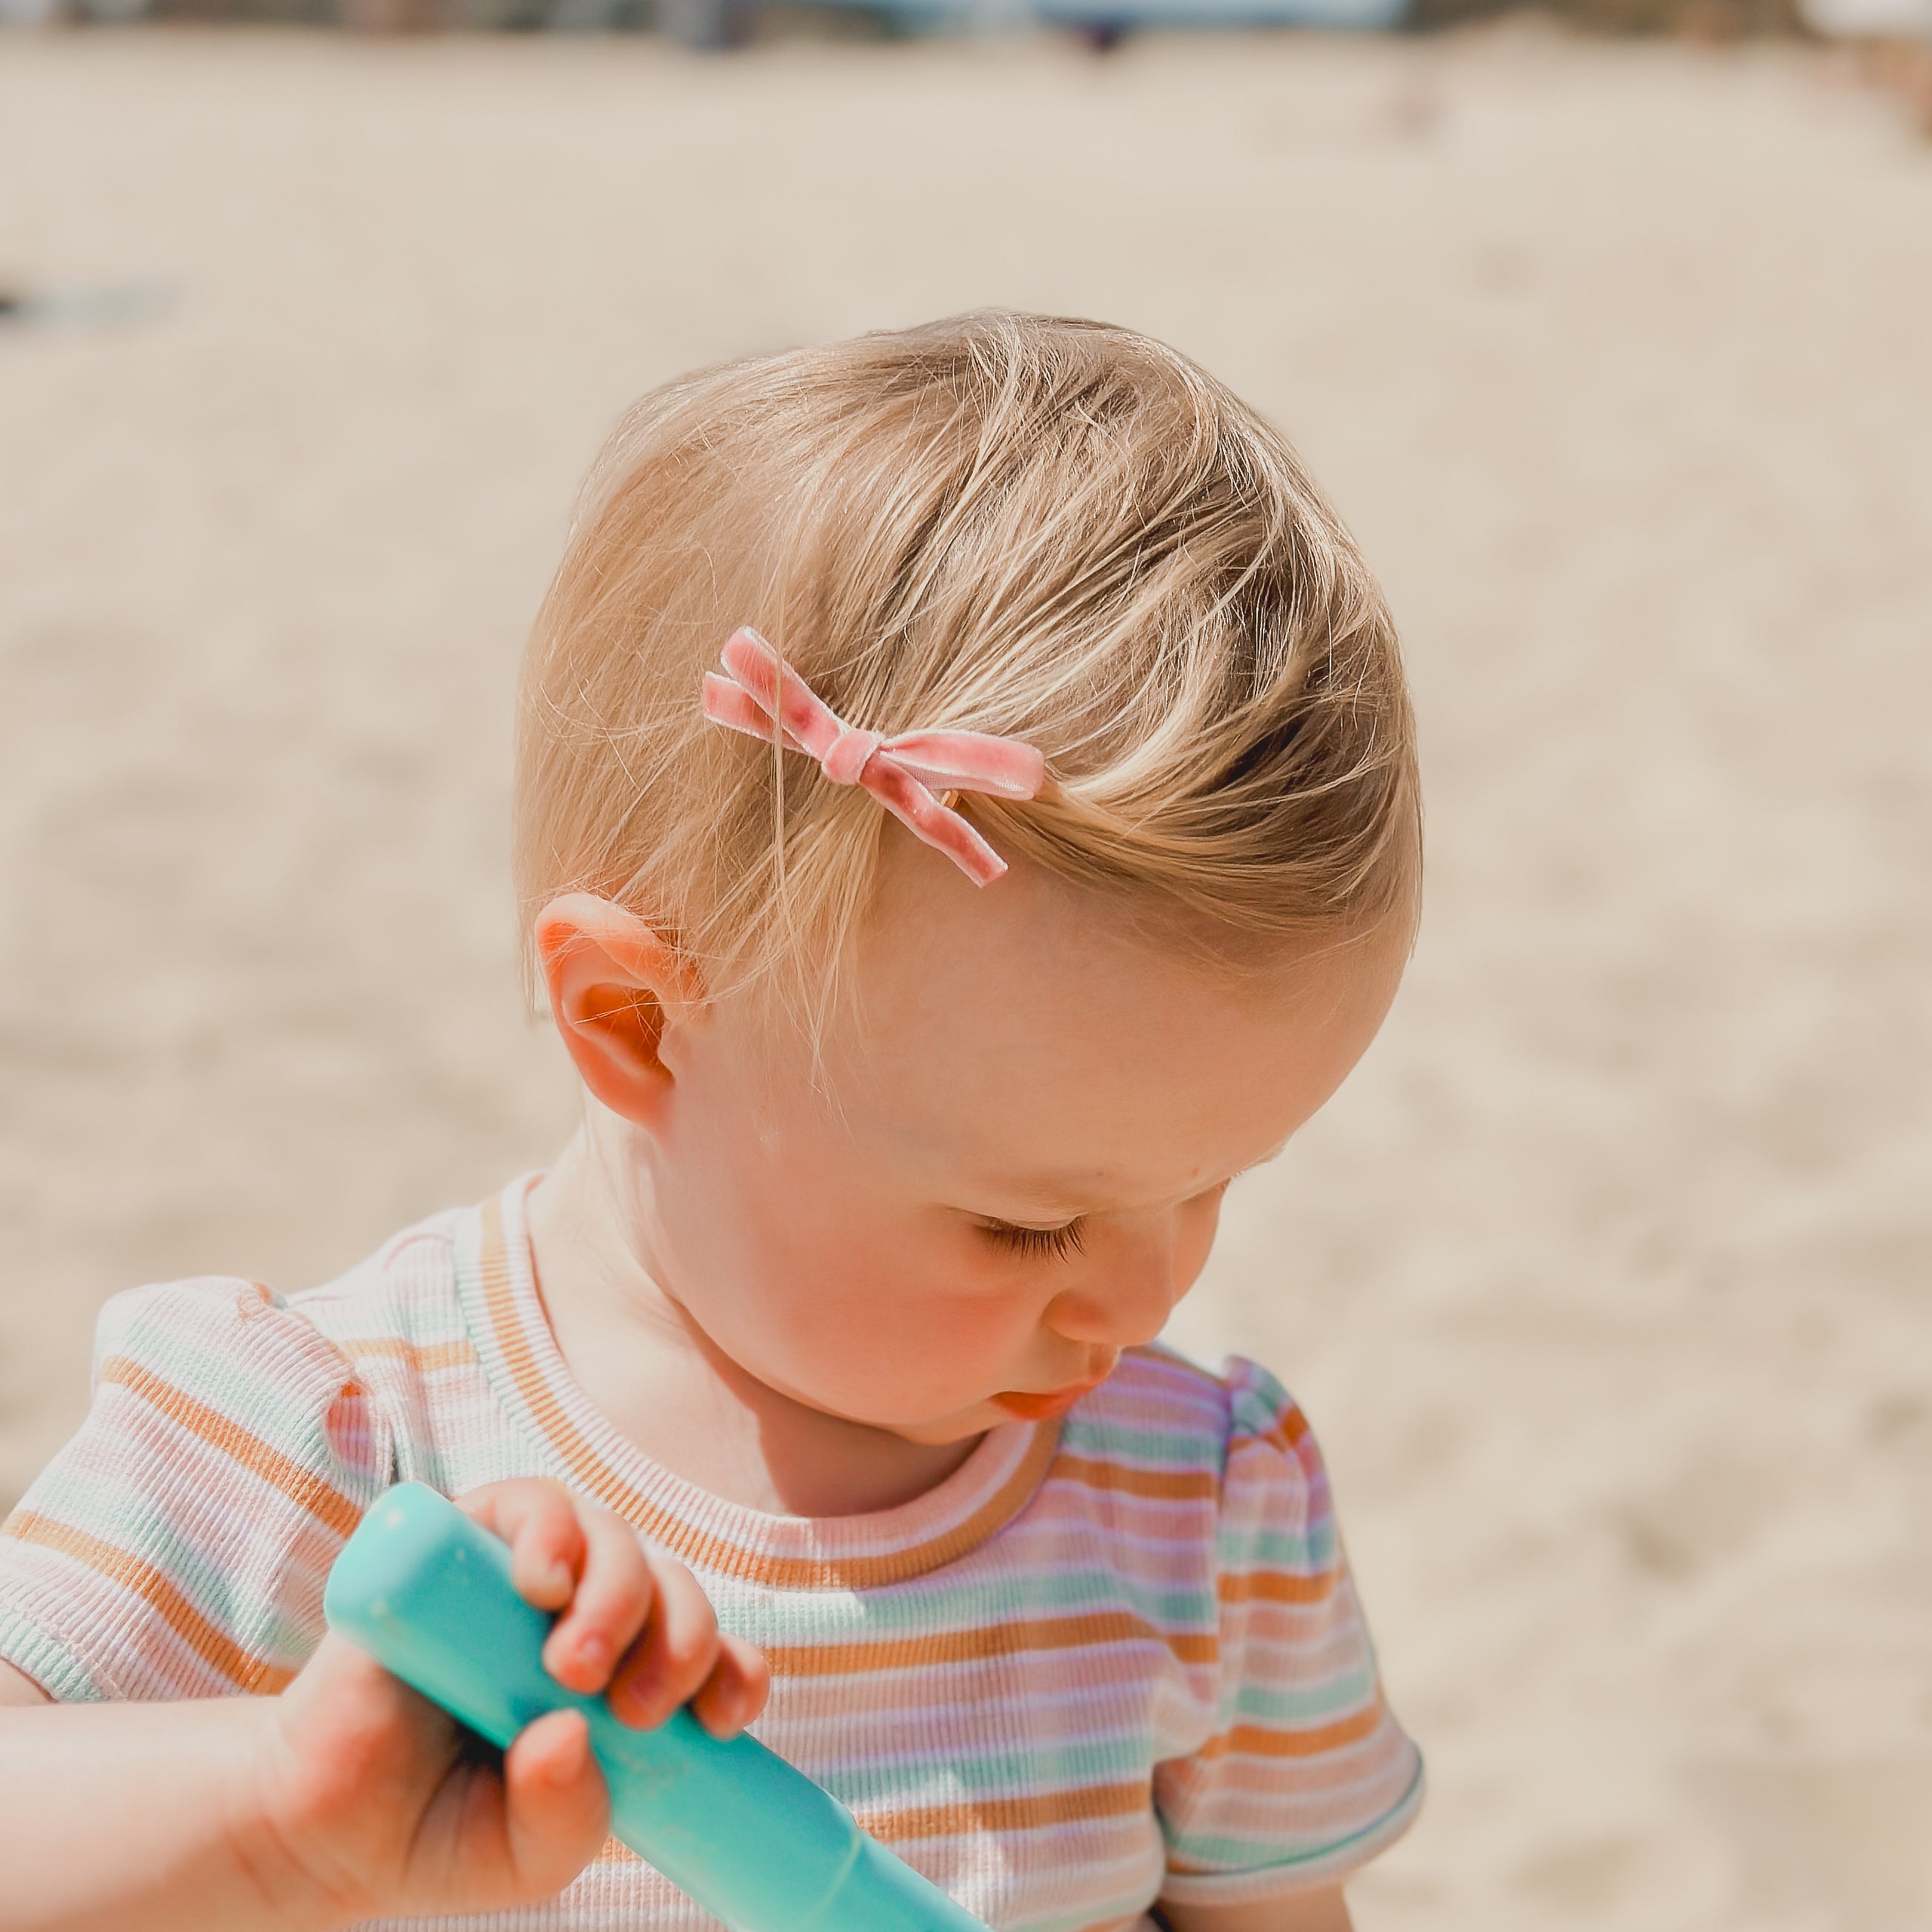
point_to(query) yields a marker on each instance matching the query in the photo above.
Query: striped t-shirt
(1114, 1656)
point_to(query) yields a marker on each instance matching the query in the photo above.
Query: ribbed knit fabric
(1112, 1657)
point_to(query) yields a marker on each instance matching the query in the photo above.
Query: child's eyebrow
(1066, 1196)
(1030, 1199)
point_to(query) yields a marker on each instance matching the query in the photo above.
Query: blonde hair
(1045, 528)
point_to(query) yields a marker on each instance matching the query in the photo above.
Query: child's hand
(637, 1625)
(369, 1802)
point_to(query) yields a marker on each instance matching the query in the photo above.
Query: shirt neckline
(497, 1285)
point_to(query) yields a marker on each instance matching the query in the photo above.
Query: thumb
(354, 1729)
(557, 1814)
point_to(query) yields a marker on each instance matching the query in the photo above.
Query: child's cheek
(902, 1348)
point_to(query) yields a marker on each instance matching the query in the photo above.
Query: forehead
(1032, 1041)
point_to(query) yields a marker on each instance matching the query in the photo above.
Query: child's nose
(1130, 1290)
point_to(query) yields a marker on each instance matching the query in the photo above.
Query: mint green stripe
(1352, 1691)
(1235, 1857)
(1305, 1553)
(51, 1665)
(1183, 1453)
(913, 1776)
(846, 1619)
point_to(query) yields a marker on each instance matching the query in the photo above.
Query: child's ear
(613, 978)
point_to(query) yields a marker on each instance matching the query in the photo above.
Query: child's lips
(1030, 1408)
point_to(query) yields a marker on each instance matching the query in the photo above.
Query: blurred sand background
(1605, 1281)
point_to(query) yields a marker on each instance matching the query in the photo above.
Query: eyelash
(1055, 1243)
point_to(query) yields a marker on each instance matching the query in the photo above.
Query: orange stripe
(1289, 1433)
(939, 1821)
(421, 1356)
(974, 1816)
(212, 1646)
(1189, 1485)
(1279, 1586)
(301, 1486)
(1265, 1741)
(966, 1646)
(694, 1545)
(971, 1816)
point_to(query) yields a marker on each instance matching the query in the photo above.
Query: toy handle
(426, 1592)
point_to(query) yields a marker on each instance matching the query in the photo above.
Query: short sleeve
(177, 1547)
(1307, 1775)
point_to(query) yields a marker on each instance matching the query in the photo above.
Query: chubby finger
(676, 1652)
(614, 1596)
(735, 1692)
(557, 1813)
(541, 1522)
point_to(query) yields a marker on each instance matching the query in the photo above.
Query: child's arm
(349, 1797)
(159, 1815)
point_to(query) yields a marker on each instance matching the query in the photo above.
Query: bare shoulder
(17, 1687)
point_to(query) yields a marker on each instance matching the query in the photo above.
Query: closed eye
(1054, 1244)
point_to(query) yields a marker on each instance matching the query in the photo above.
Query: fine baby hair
(1021, 526)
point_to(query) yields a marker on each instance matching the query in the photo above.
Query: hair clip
(764, 697)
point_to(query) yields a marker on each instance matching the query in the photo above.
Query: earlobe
(615, 983)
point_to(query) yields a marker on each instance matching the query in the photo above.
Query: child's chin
(975, 1420)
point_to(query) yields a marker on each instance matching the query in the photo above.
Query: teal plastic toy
(428, 1594)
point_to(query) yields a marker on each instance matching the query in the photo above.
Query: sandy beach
(1606, 1281)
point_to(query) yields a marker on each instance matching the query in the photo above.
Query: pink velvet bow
(761, 693)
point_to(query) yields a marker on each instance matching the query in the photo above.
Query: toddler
(966, 814)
